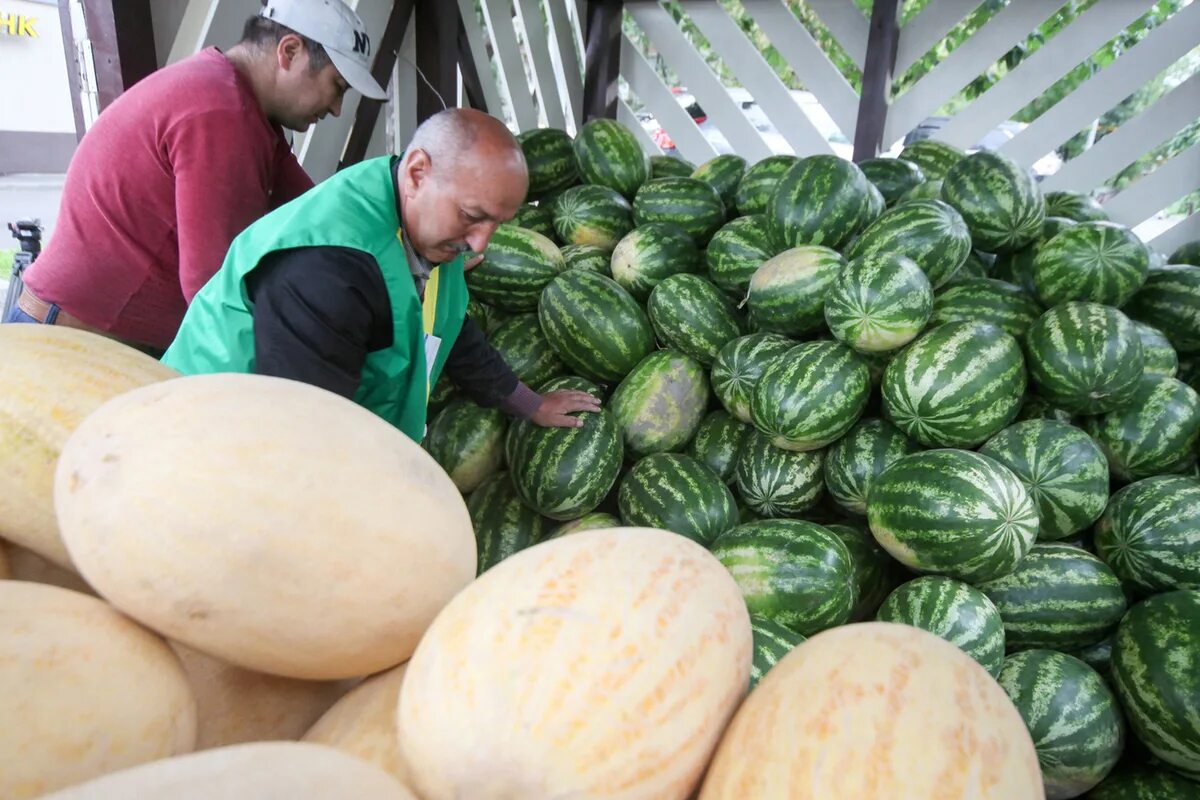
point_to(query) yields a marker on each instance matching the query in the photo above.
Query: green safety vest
(356, 208)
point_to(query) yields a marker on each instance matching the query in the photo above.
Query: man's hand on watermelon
(556, 407)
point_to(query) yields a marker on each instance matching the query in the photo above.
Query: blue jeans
(15, 314)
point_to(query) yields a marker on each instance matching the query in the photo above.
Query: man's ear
(289, 51)
(416, 170)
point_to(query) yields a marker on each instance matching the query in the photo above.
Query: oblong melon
(876, 710)
(601, 664)
(53, 378)
(363, 723)
(266, 522)
(259, 771)
(84, 691)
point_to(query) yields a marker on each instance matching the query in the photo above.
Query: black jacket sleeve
(478, 369)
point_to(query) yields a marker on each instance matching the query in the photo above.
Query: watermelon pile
(918, 390)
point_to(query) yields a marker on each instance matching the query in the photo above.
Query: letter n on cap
(362, 43)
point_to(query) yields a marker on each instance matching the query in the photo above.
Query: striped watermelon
(997, 302)
(929, 232)
(517, 266)
(952, 512)
(1085, 357)
(588, 522)
(608, 154)
(1155, 434)
(1100, 262)
(539, 219)
(679, 494)
(524, 348)
(958, 613)
(1017, 267)
(977, 265)
(468, 442)
(935, 158)
(723, 173)
(774, 482)
(1156, 671)
(929, 190)
(1170, 301)
(852, 462)
(878, 303)
(444, 391)
(650, 253)
(876, 204)
(1160, 356)
(503, 524)
(1143, 783)
(787, 293)
(670, 167)
(587, 257)
(956, 385)
(1188, 253)
(564, 473)
(736, 251)
(998, 199)
(875, 572)
(596, 327)
(892, 176)
(1072, 716)
(1074, 205)
(1059, 596)
(810, 396)
(518, 427)
(691, 315)
(660, 403)
(1063, 470)
(687, 203)
(739, 365)
(718, 443)
(772, 642)
(795, 573)
(550, 159)
(594, 215)
(1150, 534)
(820, 200)
(755, 187)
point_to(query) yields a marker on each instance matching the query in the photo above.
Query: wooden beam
(437, 24)
(877, 78)
(602, 58)
(367, 115)
(472, 88)
(71, 54)
(122, 38)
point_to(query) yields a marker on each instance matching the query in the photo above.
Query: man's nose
(480, 235)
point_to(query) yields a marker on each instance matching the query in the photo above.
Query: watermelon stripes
(740, 364)
(772, 642)
(1100, 262)
(852, 463)
(1155, 434)
(811, 396)
(958, 613)
(775, 482)
(678, 494)
(878, 303)
(1150, 534)
(998, 199)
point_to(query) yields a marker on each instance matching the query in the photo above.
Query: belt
(39, 309)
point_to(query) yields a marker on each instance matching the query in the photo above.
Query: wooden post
(122, 38)
(472, 88)
(602, 58)
(367, 115)
(437, 56)
(68, 37)
(877, 78)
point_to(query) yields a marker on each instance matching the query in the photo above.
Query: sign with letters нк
(18, 25)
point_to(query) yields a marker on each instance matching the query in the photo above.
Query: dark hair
(261, 32)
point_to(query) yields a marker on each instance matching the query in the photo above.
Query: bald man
(357, 286)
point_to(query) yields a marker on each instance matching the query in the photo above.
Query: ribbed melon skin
(690, 314)
(852, 462)
(879, 303)
(518, 265)
(755, 187)
(608, 154)
(774, 482)
(1155, 434)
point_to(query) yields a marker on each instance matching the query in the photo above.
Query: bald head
(458, 137)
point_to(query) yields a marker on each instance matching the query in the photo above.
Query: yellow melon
(26, 565)
(269, 523)
(602, 664)
(236, 705)
(260, 771)
(363, 723)
(53, 378)
(84, 691)
(873, 711)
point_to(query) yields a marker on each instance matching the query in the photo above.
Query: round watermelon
(1059, 596)
(878, 303)
(1063, 470)
(660, 403)
(739, 365)
(1155, 434)
(593, 215)
(875, 572)
(550, 159)
(1072, 716)
(518, 427)
(503, 524)
(997, 302)
(821, 200)
(1150, 534)
(670, 167)
(689, 204)
(468, 442)
(772, 642)
(1098, 262)
(892, 176)
(852, 462)
(1170, 301)
(787, 293)
(1085, 357)
(958, 613)
(524, 348)
(1074, 205)
(774, 482)
(956, 385)
(736, 251)
(691, 315)
(723, 173)
(1156, 671)
(679, 494)
(588, 522)
(539, 219)
(718, 443)
(998, 199)
(587, 257)
(810, 396)
(594, 325)
(608, 154)
(754, 189)
(929, 232)
(1160, 356)
(517, 266)
(795, 573)
(935, 158)
(650, 253)
(952, 512)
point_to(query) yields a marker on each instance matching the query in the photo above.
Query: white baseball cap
(333, 25)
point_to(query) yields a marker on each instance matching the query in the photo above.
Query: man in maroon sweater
(181, 163)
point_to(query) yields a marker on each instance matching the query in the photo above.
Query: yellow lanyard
(428, 311)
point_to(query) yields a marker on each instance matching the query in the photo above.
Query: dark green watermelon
(953, 610)
(536, 218)
(517, 266)
(593, 215)
(997, 302)
(853, 461)
(608, 154)
(689, 204)
(787, 293)
(772, 642)
(503, 524)
(774, 482)
(879, 303)
(822, 200)
(740, 364)
(650, 253)
(935, 158)
(1150, 534)
(691, 315)
(550, 159)
(929, 232)
(755, 187)
(468, 442)
(1144, 783)
(999, 200)
(587, 257)
(723, 173)
(1188, 253)
(736, 251)
(1016, 267)
(876, 573)
(1155, 434)
(677, 493)
(670, 167)
(1160, 356)
(892, 176)
(524, 348)
(1074, 205)
(1098, 262)
(810, 396)
(1170, 301)
(718, 443)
